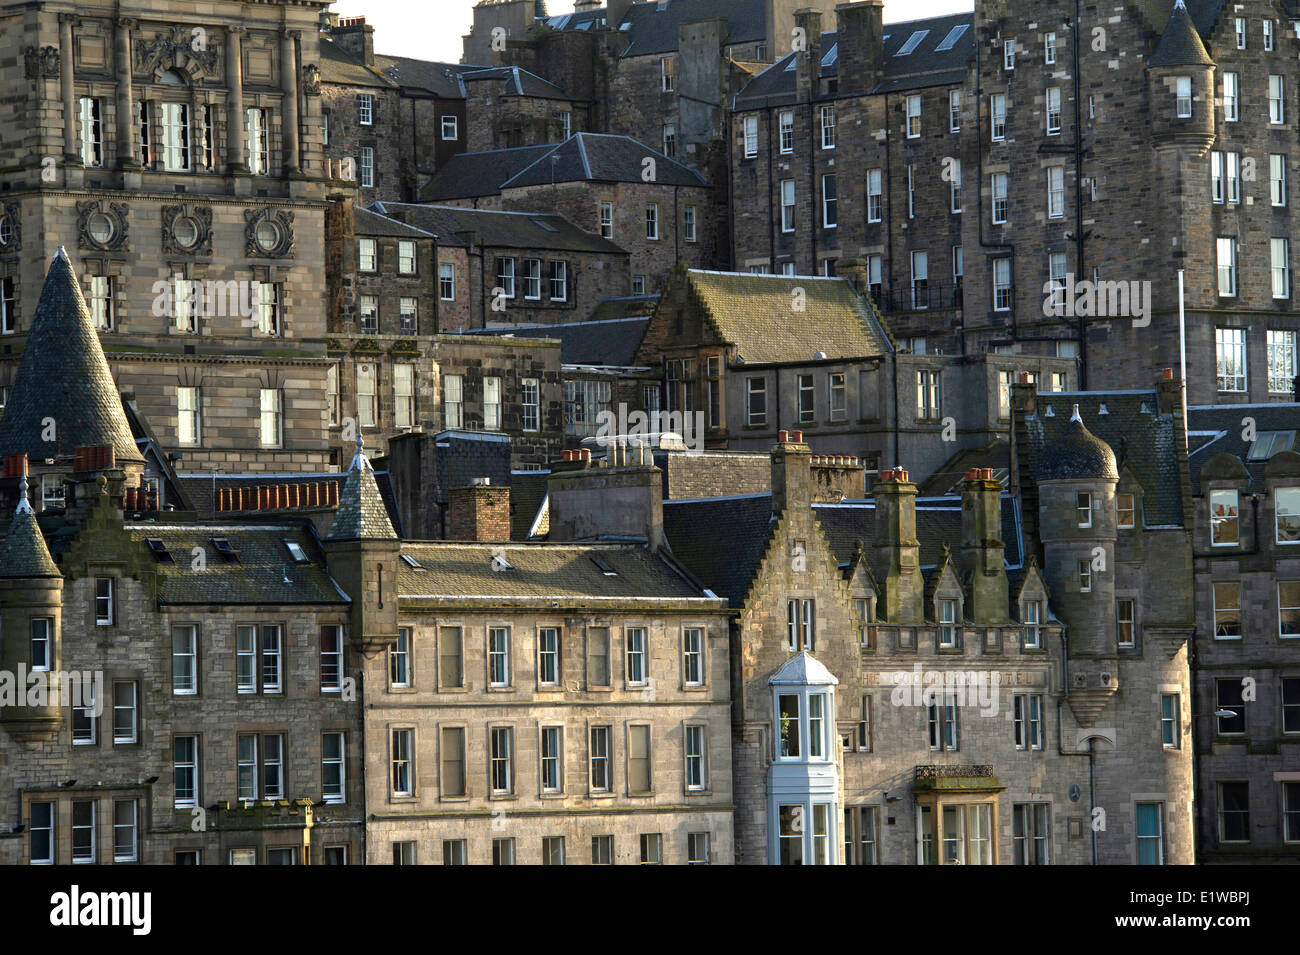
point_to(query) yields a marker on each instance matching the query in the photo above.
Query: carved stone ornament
(189, 49)
(102, 225)
(187, 230)
(41, 61)
(268, 233)
(310, 79)
(11, 228)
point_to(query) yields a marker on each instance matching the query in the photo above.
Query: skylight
(1269, 443)
(500, 563)
(604, 567)
(295, 551)
(223, 548)
(953, 36)
(159, 551)
(912, 43)
(831, 55)
(543, 224)
(411, 562)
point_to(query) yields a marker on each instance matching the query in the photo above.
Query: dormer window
(1125, 510)
(947, 624)
(1223, 519)
(1083, 506)
(1032, 617)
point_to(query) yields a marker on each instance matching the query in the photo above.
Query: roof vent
(820, 356)
(1144, 409)
(1049, 413)
(1103, 409)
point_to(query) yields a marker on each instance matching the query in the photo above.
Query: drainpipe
(1092, 795)
(1078, 200)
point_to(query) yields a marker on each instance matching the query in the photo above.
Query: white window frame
(913, 105)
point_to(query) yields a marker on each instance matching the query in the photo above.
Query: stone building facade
(934, 118)
(1247, 581)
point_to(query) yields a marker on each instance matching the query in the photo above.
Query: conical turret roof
(1077, 455)
(24, 553)
(361, 514)
(1180, 44)
(64, 376)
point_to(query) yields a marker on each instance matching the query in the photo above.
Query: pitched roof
(440, 79)
(946, 480)
(610, 342)
(1217, 429)
(1180, 44)
(753, 312)
(362, 514)
(1204, 13)
(64, 376)
(518, 82)
(652, 28)
(583, 157)
(265, 573)
(503, 230)
(340, 67)
(23, 553)
(372, 223)
(1143, 440)
(471, 175)
(600, 157)
(454, 571)
(726, 564)
(924, 65)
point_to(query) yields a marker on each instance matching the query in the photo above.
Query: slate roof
(23, 553)
(454, 571)
(653, 27)
(611, 342)
(527, 494)
(258, 577)
(63, 375)
(996, 455)
(503, 230)
(1143, 440)
(1221, 434)
(340, 67)
(926, 65)
(1204, 13)
(372, 223)
(361, 514)
(600, 157)
(1076, 454)
(198, 486)
(518, 82)
(1180, 44)
(753, 312)
(726, 563)
(440, 79)
(472, 175)
(583, 157)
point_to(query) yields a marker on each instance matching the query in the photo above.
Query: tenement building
(1246, 480)
(188, 692)
(1026, 181)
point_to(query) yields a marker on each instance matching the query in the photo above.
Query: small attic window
(543, 224)
(295, 551)
(410, 561)
(159, 550)
(912, 43)
(222, 547)
(953, 36)
(604, 567)
(1269, 443)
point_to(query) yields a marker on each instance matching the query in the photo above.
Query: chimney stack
(622, 499)
(791, 473)
(895, 558)
(479, 512)
(860, 28)
(357, 37)
(982, 549)
(808, 62)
